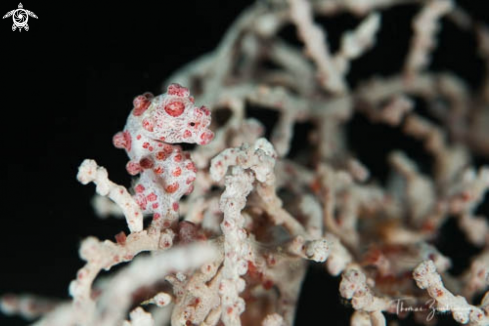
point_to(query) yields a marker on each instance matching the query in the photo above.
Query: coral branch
(114, 302)
(425, 27)
(355, 43)
(317, 49)
(27, 306)
(260, 159)
(427, 278)
(89, 171)
(104, 255)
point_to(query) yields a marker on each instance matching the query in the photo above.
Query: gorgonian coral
(235, 249)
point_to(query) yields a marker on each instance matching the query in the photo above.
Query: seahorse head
(173, 118)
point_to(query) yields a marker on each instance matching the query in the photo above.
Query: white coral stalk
(89, 171)
(27, 306)
(314, 40)
(139, 317)
(104, 255)
(145, 272)
(354, 286)
(427, 278)
(425, 25)
(247, 164)
(355, 43)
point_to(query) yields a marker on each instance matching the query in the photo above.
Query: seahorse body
(166, 172)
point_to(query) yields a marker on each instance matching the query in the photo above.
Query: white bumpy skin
(167, 173)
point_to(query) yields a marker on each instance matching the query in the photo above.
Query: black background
(67, 86)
